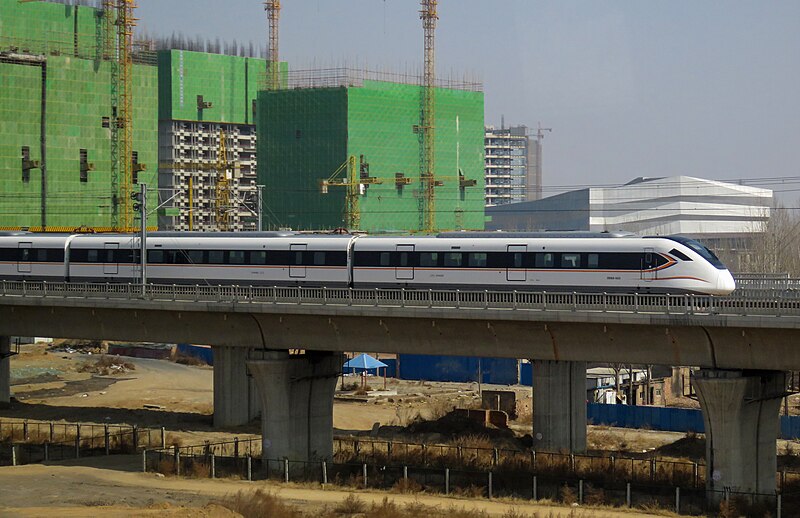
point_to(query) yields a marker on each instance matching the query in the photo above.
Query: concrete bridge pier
(236, 399)
(5, 371)
(740, 411)
(297, 403)
(559, 406)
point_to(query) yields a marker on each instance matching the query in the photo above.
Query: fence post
(447, 481)
(286, 470)
(490, 485)
(235, 447)
(695, 473)
(46, 451)
(13, 455)
(52, 432)
(495, 456)
(677, 500)
(535, 489)
(249, 468)
(77, 441)
(628, 494)
(324, 473)
(106, 439)
(613, 465)
(177, 462)
(424, 455)
(213, 466)
(25, 430)
(144, 461)
(364, 467)
(580, 491)
(652, 470)
(779, 506)
(572, 463)
(533, 460)
(134, 430)
(163, 438)
(405, 473)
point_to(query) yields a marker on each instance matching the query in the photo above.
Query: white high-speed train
(583, 262)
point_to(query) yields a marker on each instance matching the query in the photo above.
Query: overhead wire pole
(273, 8)
(429, 16)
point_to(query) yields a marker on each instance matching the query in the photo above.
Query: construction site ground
(58, 384)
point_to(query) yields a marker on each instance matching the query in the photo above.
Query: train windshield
(704, 252)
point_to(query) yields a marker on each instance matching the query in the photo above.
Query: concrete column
(234, 391)
(559, 406)
(5, 371)
(297, 397)
(740, 411)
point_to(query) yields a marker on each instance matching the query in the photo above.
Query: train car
(207, 258)
(583, 262)
(24, 255)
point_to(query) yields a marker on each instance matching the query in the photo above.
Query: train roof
(536, 235)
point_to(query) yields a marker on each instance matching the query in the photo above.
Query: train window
(404, 259)
(680, 255)
(109, 256)
(25, 254)
(236, 257)
(544, 260)
(214, 257)
(452, 259)
(429, 259)
(258, 257)
(477, 259)
(570, 260)
(194, 256)
(593, 261)
(41, 255)
(384, 259)
(517, 260)
(298, 258)
(171, 257)
(92, 256)
(155, 256)
(319, 258)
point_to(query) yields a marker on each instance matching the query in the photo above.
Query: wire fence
(24, 442)
(461, 481)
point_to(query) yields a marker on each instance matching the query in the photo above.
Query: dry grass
(473, 441)
(187, 359)
(107, 365)
(259, 504)
(407, 485)
(350, 505)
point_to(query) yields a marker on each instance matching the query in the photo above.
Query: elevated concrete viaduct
(742, 351)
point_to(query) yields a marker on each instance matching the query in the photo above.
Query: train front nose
(725, 283)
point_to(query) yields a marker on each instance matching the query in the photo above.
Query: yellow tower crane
(427, 162)
(355, 180)
(273, 8)
(119, 26)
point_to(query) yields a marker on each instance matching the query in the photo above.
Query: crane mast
(429, 16)
(273, 8)
(119, 24)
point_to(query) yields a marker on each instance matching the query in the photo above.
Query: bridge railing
(753, 302)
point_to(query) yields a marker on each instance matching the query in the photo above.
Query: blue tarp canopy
(364, 361)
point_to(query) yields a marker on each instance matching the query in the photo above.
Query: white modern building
(723, 215)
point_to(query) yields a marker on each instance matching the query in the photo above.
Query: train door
(404, 271)
(24, 257)
(110, 259)
(296, 268)
(516, 270)
(648, 264)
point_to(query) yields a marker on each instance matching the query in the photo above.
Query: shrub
(350, 505)
(259, 504)
(406, 485)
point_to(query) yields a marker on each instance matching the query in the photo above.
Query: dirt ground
(52, 385)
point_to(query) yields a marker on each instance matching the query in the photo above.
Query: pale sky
(630, 87)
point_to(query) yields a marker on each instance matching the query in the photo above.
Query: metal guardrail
(755, 302)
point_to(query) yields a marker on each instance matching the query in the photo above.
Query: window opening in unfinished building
(84, 161)
(26, 158)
